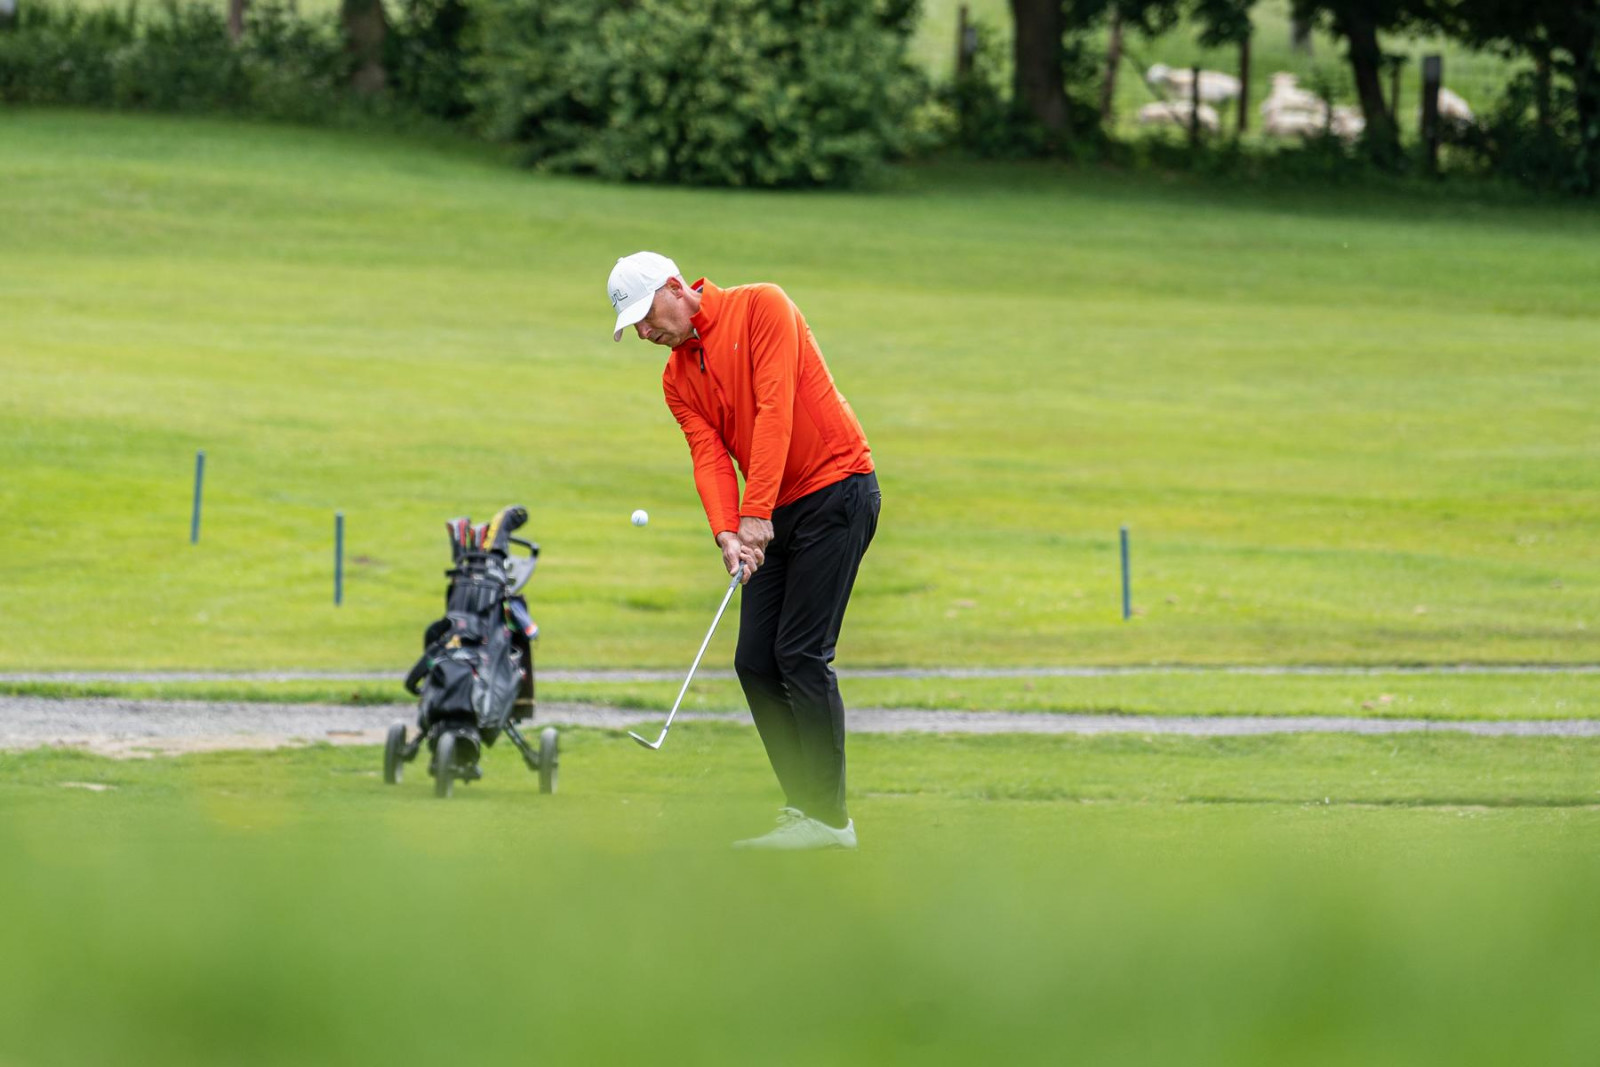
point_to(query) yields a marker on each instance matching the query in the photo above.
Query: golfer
(745, 379)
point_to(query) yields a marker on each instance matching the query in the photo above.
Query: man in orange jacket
(745, 379)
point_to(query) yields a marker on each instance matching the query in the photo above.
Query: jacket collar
(705, 319)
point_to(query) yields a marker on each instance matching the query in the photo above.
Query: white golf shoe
(797, 833)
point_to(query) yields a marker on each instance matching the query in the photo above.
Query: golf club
(458, 537)
(732, 585)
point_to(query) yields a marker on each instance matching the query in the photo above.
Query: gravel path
(147, 727)
(862, 672)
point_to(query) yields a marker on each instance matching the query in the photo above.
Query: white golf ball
(641, 517)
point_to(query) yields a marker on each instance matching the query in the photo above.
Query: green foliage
(1548, 130)
(1516, 141)
(426, 57)
(61, 55)
(720, 92)
(176, 58)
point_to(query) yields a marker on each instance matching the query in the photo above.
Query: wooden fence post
(1194, 108)
(1244, 83)
(1432, 76)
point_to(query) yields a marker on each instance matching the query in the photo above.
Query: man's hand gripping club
(747, 545)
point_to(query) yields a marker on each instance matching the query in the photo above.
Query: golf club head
(652, 746)
(507, 520)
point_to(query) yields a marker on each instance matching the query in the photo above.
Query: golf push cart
(475, 678)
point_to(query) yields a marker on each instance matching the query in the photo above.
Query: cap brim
(632, 314)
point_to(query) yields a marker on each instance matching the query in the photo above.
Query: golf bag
(478, 659)
(474, 679)
(471, 666)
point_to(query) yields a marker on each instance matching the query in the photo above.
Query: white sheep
(1292, 123)
(1286, 95)
(1344, 122)
(1176, 113)
(1454, 109)
(1215, 86)
(1348, 123)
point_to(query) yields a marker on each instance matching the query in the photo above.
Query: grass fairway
(1117, 900)
(1342, 427)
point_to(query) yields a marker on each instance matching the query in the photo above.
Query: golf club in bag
(474, 680)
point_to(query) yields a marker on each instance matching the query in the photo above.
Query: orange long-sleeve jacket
(753, 385)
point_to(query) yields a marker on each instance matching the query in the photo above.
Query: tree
(1038, 80)
(365, 30)
(1359, 22)
(1222, 21)
(1561, 37)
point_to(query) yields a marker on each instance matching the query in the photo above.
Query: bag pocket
(495, 688)
(466, 629)
(449, 688)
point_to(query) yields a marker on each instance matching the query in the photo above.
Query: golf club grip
(454, 526)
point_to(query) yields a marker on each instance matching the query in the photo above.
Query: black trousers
(789, 621)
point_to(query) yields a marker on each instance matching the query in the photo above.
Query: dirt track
(152, 727)
(712, 673)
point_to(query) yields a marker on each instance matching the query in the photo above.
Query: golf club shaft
(732, 585)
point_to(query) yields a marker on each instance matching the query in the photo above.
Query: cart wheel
(549, 759)
(444, 765)
(393, 748)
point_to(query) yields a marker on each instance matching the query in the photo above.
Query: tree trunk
(365, 29)
(1039, 83)
(1300, 33)
(966, 44)
(1108, 90)
(1586, 92)
(1366, 63)
(236, 19)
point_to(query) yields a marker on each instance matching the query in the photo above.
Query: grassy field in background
(1342, 427)
(1384, 696)
(1133, 900)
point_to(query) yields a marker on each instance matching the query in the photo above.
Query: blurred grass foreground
(1410, 900)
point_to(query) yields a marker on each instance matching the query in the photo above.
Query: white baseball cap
(633, 284)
